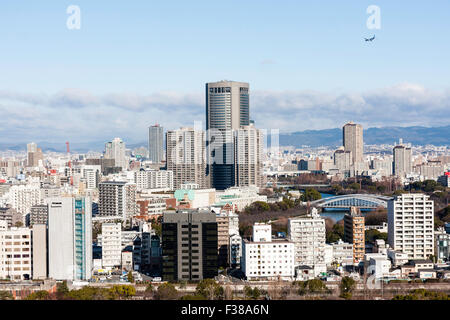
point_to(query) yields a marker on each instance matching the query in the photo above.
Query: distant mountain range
(439, 136)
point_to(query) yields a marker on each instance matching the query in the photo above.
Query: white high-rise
(70, 238)
(308, 235)
(111, 245)
(115, 149)
(411, 225)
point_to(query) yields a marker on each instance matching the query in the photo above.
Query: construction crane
(70, 163)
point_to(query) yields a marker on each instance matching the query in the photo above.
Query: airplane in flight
(370, 39)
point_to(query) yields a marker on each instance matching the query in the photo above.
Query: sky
(135, 63)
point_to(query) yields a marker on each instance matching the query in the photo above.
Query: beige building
(354, 233)
(353, 140)
(342, 160)
(249, 156)
(15, 253)
(402, 160)
(223, 238)
(39, 244)
(186, 156)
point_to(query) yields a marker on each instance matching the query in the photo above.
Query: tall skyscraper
(156, 143)
(186, 156)
(402, 160)
(227, 109)
(411, 225)
(189, 245)
(352, 136)
(248, 146)
(115, 149)
(70, 238)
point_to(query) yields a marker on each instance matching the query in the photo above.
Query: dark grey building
(189, 245)
(227, 109)
(156, 143)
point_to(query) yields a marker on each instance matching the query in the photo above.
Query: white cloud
(83, 116)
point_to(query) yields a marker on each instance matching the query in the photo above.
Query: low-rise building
(266, 258)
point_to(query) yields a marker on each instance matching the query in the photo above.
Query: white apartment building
(111, 245)
(342, 253)
(411, 225)
(308, 235)
(15, 253)
(23, 197)
(154, 179)
(267, 258)
(91, 174)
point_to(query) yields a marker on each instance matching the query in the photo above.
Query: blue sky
(132, 62)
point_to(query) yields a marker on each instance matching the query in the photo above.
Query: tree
(316, 286)
(250, 293)
(6, 295)
(157, 227)
(166, 291)
(210, 289)
(347, 286)
(130, 277)
(311, 195)
(39, 295)
(62, 290)
(123, 291)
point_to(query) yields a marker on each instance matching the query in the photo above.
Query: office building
(34, 155)
(70, 238)
(411, 225)
(115, 149)
(342, 160)
(308, 235)
(189, 245)
(186, 156)
(352, 136)
(354, 233)
(402, 160)
(227, 109)
(156, 143)
(265, 258)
